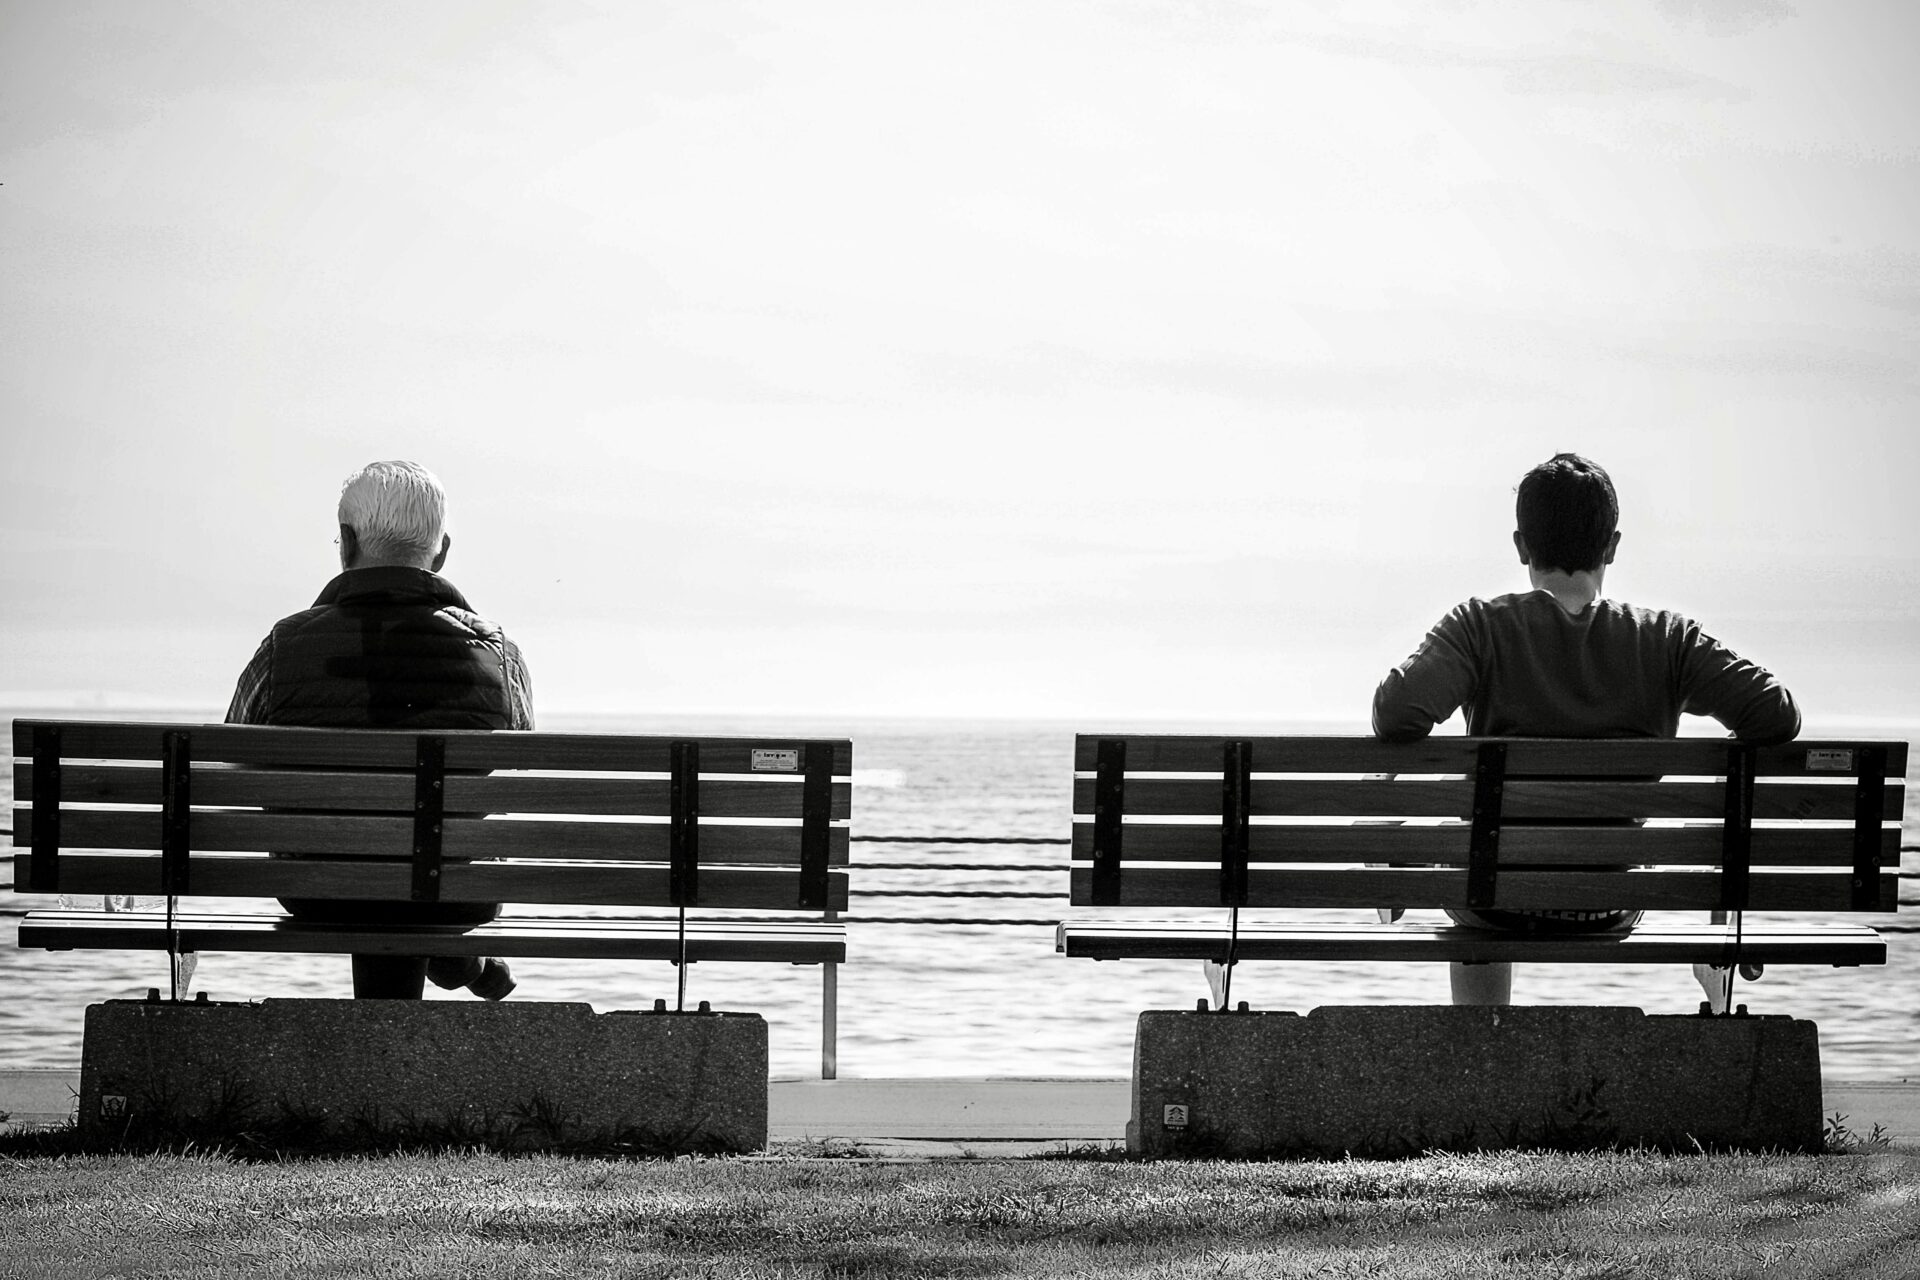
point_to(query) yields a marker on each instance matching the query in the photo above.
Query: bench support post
(683, 848)
(349, 1072)
(829, 1019)
(1364, 1082)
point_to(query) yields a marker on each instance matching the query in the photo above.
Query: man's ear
(349, 546)
(1520, 545)
(1613, 545)
(446, 545)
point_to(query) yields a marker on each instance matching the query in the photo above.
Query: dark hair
(1567, 512)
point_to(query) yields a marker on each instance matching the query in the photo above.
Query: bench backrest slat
(393, 749)
(1828, 848)
(1519, 890)
(1549, 757)
(1524, 799)
(342, 835)
(498, 793)
(1564, 823)
(582, 817)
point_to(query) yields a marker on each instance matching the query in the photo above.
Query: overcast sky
(1035, 359)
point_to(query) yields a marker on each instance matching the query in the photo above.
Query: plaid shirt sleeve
(249, 705)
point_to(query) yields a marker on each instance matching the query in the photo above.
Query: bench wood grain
(1265, 825)
(595, 821)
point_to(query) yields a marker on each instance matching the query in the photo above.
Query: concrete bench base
(367, 1073)
(1396, 1081)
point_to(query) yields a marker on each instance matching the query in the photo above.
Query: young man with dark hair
(1560, 661)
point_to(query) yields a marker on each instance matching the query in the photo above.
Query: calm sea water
(989, 998)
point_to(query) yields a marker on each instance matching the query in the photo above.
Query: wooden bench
(617, 839)
(1706, 825)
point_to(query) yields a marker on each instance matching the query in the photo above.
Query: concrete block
(1396, 1081)
(362, 1073)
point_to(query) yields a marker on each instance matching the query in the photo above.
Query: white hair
(397, 509)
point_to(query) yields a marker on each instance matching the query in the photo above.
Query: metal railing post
(829, 1018)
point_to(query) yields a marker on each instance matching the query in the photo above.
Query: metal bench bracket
(1869, 799)
(43, 867)
(429, 807)
(1236, 795)
(1736, 836)
(1109, 800)
(176, 811)
(683, 824)
(816, 822)
(1483, 853)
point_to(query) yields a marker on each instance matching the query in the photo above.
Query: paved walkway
(920, 1118)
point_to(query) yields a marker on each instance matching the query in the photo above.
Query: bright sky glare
(1089, 360)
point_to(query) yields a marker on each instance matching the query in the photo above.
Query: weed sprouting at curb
(1840, 1139)
(1092, 1152)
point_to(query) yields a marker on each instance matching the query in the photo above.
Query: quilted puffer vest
(389, 648)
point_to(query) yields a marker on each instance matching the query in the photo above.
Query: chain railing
(867, 892)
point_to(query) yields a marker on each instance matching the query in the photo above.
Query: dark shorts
(357, 911)
(1548, 921)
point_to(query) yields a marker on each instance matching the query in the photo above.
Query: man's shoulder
(480, 628)
(1488, 608)
(1642, 618)
(1527, 604)
(300, 618)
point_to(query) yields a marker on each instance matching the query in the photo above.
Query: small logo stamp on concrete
(1174, 1115)
(776, 760)
(1829, 760)
(113, 1105)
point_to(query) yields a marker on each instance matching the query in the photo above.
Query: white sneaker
(1713, 980)
(1216, 981)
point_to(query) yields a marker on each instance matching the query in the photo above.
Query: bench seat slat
(632, 939)
(1381, 842)
(1765, 943)
(1519, 890)
(1522, 799)
(778, 797)
(1626, 757)
(360, 836)
(583, 884)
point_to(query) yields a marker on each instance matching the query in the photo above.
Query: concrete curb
(956, 1116)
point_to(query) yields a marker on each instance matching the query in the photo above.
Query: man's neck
(364, 562)
(1573, 592)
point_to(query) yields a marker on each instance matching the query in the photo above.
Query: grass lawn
(1531, 1215)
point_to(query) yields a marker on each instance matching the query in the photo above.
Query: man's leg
(1715, 981)
(404, 977)
(389, 977)
(1490, 983)
(486, 976)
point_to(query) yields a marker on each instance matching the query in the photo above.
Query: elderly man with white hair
(390, 644)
